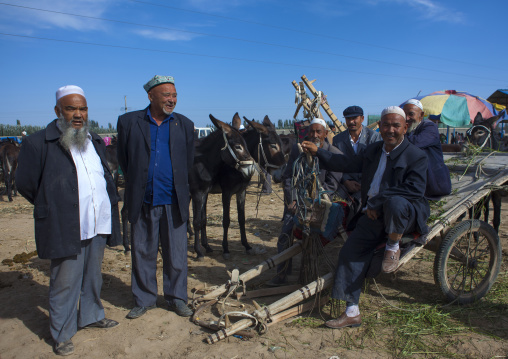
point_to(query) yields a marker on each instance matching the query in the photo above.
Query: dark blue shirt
(160, 187)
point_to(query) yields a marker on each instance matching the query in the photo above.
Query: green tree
(280, 124)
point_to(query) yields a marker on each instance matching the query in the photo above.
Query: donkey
(221, 150)
(9, 152)
(265, 146)
(482, 134)
(111, 157)
(287, 144)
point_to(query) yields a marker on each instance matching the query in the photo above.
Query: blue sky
(229, 56)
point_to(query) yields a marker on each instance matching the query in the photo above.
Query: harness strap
(238, 162)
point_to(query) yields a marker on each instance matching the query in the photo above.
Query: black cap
(353, 111)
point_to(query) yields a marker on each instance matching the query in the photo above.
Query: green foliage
(10, 130)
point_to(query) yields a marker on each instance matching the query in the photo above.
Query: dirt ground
(24, 324)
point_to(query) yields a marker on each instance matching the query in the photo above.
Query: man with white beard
(424, 134)
(63, 172)
(317, 134)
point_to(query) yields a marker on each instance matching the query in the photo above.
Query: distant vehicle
(202, 131)
(7, 138)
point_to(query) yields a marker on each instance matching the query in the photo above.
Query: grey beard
(413, 127)
(317, 142)
(72, 137)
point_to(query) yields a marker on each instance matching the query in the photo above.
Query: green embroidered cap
(157, 80)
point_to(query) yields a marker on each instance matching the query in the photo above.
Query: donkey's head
(482, 132)
(234, 152)
(268, 151)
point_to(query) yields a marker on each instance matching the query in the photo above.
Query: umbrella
(457, 108)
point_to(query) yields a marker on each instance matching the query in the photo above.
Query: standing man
(63, 172)
(353, 142)
(156, 152)
(316, 134)
(393, 186)
(424, 134)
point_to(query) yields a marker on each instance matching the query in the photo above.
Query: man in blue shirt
(156, 153)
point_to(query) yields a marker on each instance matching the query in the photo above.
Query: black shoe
(103, 324)
(179, 307)
(63, 348)
(137, 312)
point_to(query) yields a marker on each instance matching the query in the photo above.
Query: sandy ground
(24, 320)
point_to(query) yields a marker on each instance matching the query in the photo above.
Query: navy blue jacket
(47, 178)
(405, 176)
(426, 137)
(134, 158)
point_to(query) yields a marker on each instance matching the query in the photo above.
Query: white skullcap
(413, 102)
(393, 109)
(69, 90)
(319, 121)
(242, 127)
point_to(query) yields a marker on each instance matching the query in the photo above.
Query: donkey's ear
(478, 118)
(237, 121)
(493, 120)
(267, 122)
(257, 126)
(224, 127)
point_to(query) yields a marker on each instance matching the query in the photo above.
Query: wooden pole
(302, 308)
(254, 272)
(274, 308)
(453, 213)
(340, 126)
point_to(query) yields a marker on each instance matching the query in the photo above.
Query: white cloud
(46, 19)
(429, 10)
(167, 35)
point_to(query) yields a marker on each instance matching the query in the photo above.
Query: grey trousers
(159, 223)
(398, 216)
(75, 288)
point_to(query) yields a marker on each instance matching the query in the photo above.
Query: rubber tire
(442, 261)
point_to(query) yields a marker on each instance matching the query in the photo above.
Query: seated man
(425, 135)
(329, 180)
(353, 142)
(393, 186)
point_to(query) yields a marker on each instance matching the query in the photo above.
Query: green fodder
(427, 331)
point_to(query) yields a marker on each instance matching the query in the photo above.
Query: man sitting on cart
(425, 135)
(317, 134)
(394, 176)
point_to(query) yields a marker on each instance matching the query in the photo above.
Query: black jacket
(46, 177)
(405, 176)
(134, 158)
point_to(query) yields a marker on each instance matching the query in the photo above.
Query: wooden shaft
(302, 308)
(268, 291)
(274, 308)
(455, 212)
(254, 272)
(325, 106)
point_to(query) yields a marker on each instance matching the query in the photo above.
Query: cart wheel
(468, 261)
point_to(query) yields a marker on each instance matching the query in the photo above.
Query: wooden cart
(467, 262)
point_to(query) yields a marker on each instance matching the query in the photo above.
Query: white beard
(71, 136)
(413, 127)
